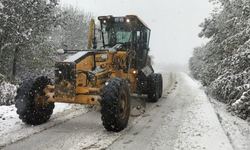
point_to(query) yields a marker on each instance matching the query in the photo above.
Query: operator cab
(130, 32)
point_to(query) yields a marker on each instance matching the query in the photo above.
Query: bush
(7, 92)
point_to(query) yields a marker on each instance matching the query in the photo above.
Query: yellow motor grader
(108, 76)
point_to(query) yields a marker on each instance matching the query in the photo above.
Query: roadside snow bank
(237, 130)
(200, 128)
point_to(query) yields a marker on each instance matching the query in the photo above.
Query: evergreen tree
(226, 69)
(23, 24)
(73, 31)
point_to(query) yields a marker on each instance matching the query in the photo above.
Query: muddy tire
(153, 93)
(115, 104)
(160, 85)
(31, 106)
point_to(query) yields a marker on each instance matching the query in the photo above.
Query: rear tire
(30, 103)
(115, 104)
(160, 85)
(154, 88)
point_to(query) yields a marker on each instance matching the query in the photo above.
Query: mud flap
(138, 104)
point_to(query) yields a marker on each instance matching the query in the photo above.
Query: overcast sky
(173, 23)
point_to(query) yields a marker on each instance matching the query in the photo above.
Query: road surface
(182, 119)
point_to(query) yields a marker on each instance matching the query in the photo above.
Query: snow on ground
(13, 129)
(237, 130)
(183, 120)
(191, 122)
(9, 119)
(200, 128)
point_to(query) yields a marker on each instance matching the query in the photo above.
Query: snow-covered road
(182, 119)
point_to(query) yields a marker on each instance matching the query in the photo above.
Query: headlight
(121, 19)
(117, 19)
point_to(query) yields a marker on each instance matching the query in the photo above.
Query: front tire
(30, 101)
(115, 104)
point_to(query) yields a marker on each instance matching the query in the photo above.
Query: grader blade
(138, 104)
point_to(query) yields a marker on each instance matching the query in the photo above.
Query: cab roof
(127, 16)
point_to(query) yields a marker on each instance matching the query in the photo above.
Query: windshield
(116, 33)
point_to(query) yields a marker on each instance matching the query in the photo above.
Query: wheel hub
(39, 102)
(123, 105)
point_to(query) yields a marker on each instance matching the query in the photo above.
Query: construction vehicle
(108, 76)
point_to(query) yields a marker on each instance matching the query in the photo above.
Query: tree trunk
(1, 53)
(15, 62)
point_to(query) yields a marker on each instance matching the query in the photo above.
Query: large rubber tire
(160, 85)
(153, 93)
(28, 101)
(115, 104)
